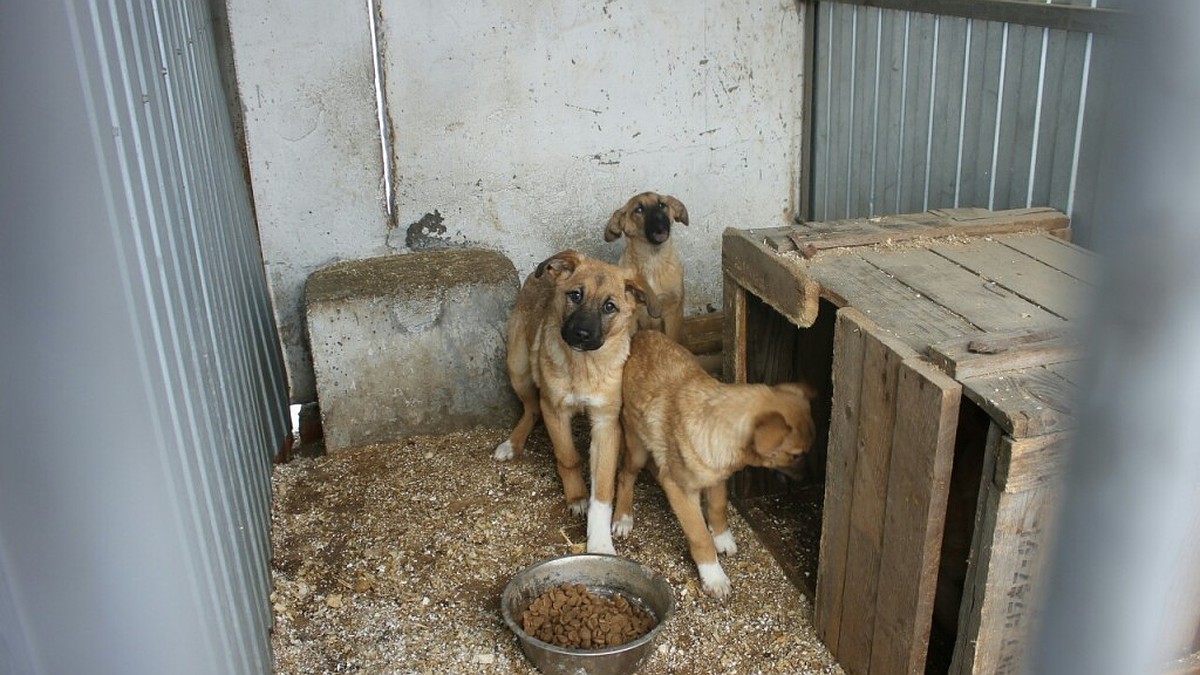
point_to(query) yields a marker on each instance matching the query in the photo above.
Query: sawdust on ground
(391, 559)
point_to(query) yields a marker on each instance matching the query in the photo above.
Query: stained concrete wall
(517, 126)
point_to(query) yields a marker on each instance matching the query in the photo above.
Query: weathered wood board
(848, 350)
(898, 228)
(1053, 290)
(1005, 581)
(888, 471)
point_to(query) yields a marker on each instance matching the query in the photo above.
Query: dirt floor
(391, 559)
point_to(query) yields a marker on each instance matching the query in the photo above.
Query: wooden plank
(827, 233)
(1032, 462)
(895, 229)
(775, 238)
(848, 280)
(927, 404)
(1004, 592)
(733, 347)
(1071, 371)
(778, 279)
(882, 356)
(1004, 351)
(1027, 277)
(964, 214)
(848, 348)
(704, 333)
(1053, 251)
(984, 304)
(1025, 403)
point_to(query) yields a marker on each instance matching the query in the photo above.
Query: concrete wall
(517, 126)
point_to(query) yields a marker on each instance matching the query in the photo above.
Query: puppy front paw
(504, 452)
(578, 507)
(600, 547)
(725, 543)
(622, 526)
(713, 580)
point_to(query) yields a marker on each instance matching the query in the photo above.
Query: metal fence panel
(143, 545)
(915, 111)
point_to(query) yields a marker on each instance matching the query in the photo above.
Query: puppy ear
(640, 291)
(563, 262)
(810, 392)
(612, 231)
(676, 209)
(770, 428)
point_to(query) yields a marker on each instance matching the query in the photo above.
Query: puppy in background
(698, 432)
(568, 338)
(645, 220)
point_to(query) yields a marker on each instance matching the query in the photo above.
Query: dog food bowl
(603, 575)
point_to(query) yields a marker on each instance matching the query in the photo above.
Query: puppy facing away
(568, 338)
(645, 220)
(698, 432)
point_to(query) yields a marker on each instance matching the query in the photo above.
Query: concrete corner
(411, 344)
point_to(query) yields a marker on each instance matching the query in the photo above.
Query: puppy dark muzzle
(657, 225)
(583, 331)
(797, 468)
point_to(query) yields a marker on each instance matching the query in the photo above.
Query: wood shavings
(391, 559)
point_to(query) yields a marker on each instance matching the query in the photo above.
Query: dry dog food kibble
(570, 616)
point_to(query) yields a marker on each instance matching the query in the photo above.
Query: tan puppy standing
(568, 338)
(645, 220)
(698, 432)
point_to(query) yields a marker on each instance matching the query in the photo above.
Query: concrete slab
(411, 344)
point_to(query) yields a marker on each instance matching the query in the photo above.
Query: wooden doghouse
(944, 340)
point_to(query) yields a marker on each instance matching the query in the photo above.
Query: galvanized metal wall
(914, 111)
(144, 388)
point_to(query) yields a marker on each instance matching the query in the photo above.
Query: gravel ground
(391, 559)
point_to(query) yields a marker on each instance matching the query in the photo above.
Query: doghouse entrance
(785, 511)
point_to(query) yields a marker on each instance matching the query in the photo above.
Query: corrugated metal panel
(914, 111)
(202, 335)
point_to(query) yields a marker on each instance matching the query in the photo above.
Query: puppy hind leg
(515, 444)
(686, 506)
(633, 459)
(717, 497)
(558, 426)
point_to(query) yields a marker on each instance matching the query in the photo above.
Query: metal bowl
(605, 574)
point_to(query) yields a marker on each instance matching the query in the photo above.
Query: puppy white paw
(601, 546)
(578, 507)
(599, 528)
(713, 580)
(504, 452)
(725, 543)
(622, 526)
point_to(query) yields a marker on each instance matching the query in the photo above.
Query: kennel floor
(391, 559)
